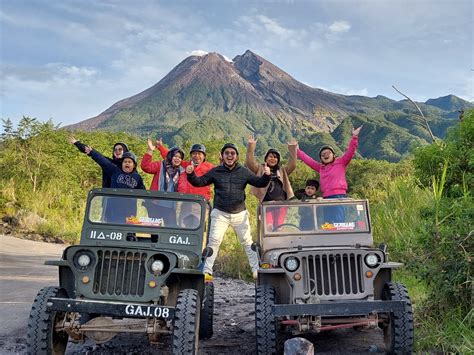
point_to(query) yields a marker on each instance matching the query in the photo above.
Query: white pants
(220, 221)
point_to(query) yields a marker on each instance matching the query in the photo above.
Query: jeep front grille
(335, 274)
(120, 273)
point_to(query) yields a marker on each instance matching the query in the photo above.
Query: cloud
(339, 27)
(199, 53)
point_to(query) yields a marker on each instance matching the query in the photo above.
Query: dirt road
(22, 274)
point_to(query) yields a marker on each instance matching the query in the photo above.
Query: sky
(70, 60)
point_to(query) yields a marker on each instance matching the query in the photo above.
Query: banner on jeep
(316, 218)
(147, 212)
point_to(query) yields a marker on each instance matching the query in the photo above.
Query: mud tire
(265, 324)
(207, 312)
(41, 338)
(398, 330)
(186, 322)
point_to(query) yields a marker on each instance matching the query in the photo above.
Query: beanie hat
(229, 145)
(130, 155)
(324, 147)
(172, 152)
(273, 151)
(312, 182)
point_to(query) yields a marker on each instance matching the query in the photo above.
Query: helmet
(125, 147)
(324, 147)
(273, 151)
(198, 148)
(129, 155)
(172, 152)
(229, 145)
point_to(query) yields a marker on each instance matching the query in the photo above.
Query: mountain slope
(209, 96)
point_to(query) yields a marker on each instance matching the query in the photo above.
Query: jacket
(229, 185)
(154, 167)
(118, 178)
(333, 175)
(106, 178)
(282, 173)
(184, 185)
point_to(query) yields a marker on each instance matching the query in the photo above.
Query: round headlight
(84, 260)
(371, 260)
(157, 266)
(291, 263)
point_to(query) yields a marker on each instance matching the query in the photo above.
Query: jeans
(220, 221)
(334, 214)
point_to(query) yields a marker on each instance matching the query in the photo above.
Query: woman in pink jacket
(332, 169)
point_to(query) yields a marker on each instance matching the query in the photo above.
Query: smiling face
(327, 156)
(176, 160)
(197, 157)
(229, 157)
(272, 160)
(128, 165)
(118, 151)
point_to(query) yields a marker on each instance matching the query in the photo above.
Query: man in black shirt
(229, 179)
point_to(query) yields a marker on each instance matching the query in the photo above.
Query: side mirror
(207, 252)
(383, 247)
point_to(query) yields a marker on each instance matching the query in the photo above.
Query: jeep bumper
(353, 308)
(111, 308)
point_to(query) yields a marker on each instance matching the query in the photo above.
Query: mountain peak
(449, 103)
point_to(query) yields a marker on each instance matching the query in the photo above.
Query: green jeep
(319, 271)
(133, 271)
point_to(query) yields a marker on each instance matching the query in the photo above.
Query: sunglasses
(230, 152)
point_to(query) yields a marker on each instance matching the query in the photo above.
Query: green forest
(422, 207)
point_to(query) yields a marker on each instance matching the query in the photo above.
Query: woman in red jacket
(166, 174)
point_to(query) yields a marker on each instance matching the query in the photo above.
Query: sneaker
(208, 277)
(254, 274)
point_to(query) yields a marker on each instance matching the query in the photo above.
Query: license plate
(134, 310)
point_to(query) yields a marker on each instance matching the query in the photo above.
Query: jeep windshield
(314, 217)
(145, 212)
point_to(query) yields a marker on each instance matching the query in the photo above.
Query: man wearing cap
(201, 166)
(117, 152)
(229, 179)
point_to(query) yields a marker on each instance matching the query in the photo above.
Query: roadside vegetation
(422, 208)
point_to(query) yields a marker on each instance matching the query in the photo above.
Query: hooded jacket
(333, 175)
(106, 178)
(156, 168)
(229, 185)
(119, 179)
(184, 185)
(282, 173)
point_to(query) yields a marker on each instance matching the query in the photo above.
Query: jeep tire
(41, 337)
(186, 323)
(207, 312)
(398, 330)
(265, 325)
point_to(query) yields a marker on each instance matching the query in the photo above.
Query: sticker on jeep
(338, 226)
(145, 221)
(147, 311)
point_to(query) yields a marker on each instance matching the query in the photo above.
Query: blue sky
(70, 60)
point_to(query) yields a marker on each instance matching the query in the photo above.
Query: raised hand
(189, 169)
(266, 170)
(159, 142)
(293, 142)
(72, 140)
(355, 131)
(252, 139)
(150, 145)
